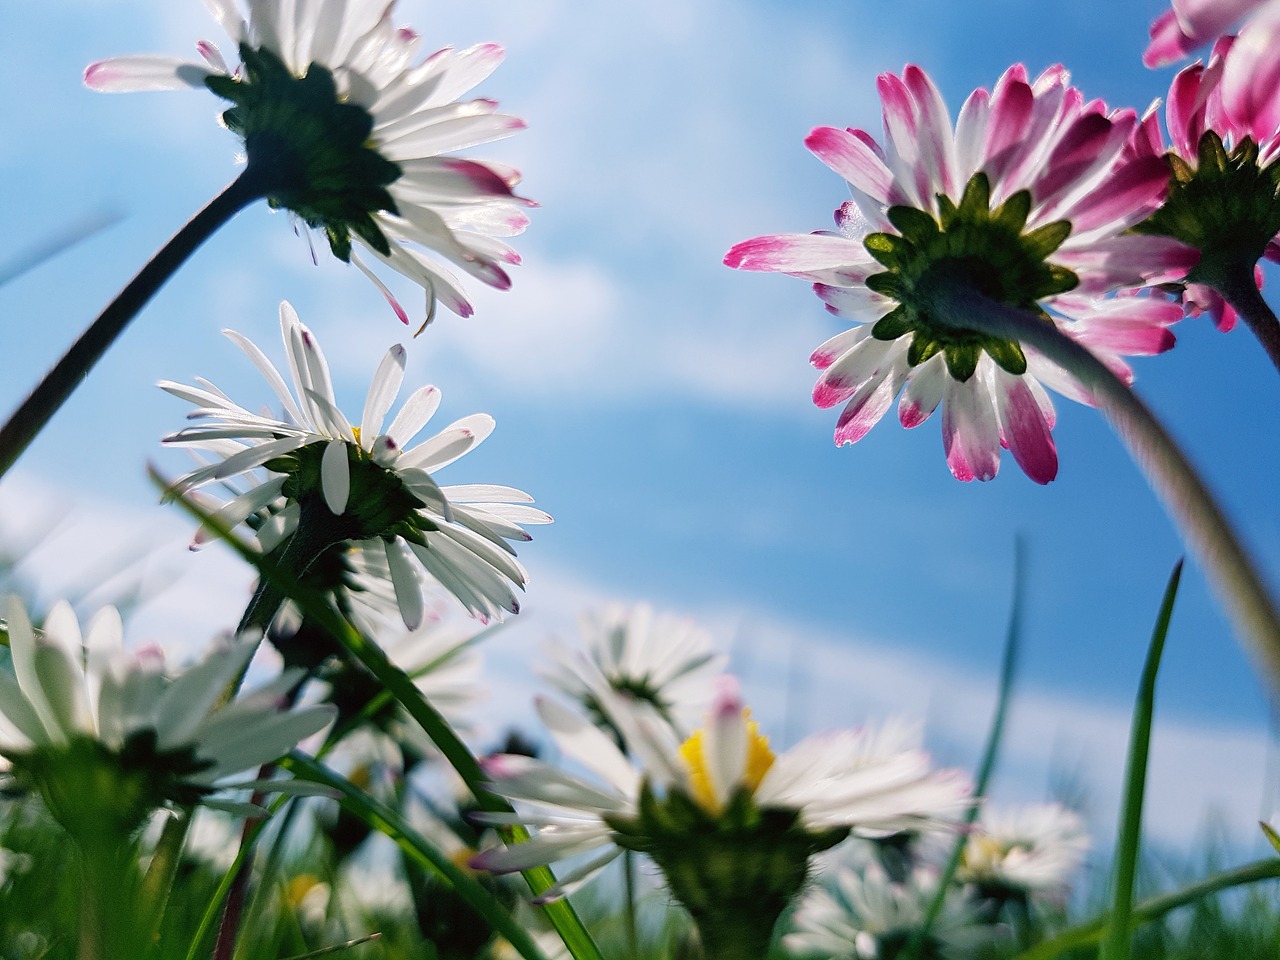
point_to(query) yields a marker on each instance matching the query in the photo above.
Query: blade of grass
(986, 766)
(1115, 945)
(560, 913)
(1147, 911)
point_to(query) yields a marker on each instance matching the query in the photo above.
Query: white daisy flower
(358, 483)
(107, 738)
(656, 658)
(721, 794)
(344, 125)
(864, 915)
(1027, 850)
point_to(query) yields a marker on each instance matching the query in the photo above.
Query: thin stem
(157, 883)
(987, 765)
(629, 906)
(1129, 838)
(1237, 286)
(1228, 566)
(59, 383)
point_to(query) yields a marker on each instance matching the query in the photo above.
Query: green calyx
(734, 871)
(1227, 207)
(972, 245)
(104, 796)
(309, 148)
(378, 506)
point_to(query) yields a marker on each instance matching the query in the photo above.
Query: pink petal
(1251, 76)
(142, 73)
(851, 158)
(924, 391)
(1127, 197)
(1127, 260)
(1024, 430)
(970, 433)
(794, 253)
(869, 404)
(1168, 43)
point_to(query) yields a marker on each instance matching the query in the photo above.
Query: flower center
(971, 245)
(759, 759)
(310, 148)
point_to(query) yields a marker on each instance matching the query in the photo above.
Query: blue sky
(653, 401)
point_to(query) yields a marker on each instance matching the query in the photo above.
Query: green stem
(1237, 286)
(1228, 566)
(1154, 908)
(1116, 945)
(157, 883)
(59, 383)
(1004, 695)
(629, 905)
(560, 913)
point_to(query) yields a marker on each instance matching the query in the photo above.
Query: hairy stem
(1237, 286)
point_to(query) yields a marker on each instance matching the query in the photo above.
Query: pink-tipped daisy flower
(1026, 201)
(344, 126)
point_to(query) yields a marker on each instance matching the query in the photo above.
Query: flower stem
(52, 392)
(1237, 286)
(1204, 526)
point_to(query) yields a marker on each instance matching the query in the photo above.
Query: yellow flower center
(356, 431)
(693, 753)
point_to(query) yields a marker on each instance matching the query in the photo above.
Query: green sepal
(887, 248)
(1273, 838)
(1007, 354)
(1042, 241)
(921, 349)
(975, 202)
(914, 224)
(1013, 214)
(893, 324)
(962, 360)
(887, 285)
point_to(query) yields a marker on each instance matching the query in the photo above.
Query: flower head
(864, 915)
(1224, 198)
(360, 484)
(1030, 850)
(721, 804)
(659, 659)
(343, 128)
(107, 738)
(1025, 201)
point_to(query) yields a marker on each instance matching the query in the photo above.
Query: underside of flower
(1227, 206)
(734, 870)
(378, 504)
(310, 147)
(98, 792)
(973, 245)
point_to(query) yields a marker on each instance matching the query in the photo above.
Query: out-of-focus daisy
(731, 824)
(1026, 201)
(106, 738)
(1024, 851)
(1225, 194)
(345, 127)
(655, 658)
(345, 482)
(863, 915)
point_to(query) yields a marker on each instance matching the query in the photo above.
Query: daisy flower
(107, 738)
(655, 658)
(1029, 850)
(1025, 201)
(1225, 195)
(864, 915)
(346, 127)
(731, 824)
(359, 484)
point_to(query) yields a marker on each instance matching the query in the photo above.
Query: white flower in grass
(655, 658)
(863, 915)
(1027, 850)
(359, 483)
(731, 825)
(342, 127)
(107, 738)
